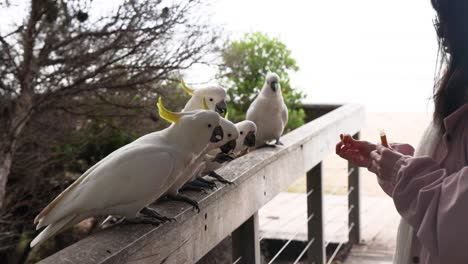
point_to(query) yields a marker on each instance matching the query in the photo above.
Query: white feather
(52, 229)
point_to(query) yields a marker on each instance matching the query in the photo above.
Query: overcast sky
(378, 53)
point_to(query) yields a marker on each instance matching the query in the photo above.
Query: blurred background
(80, 78)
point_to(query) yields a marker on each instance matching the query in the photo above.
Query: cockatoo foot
(150, 212)
(112, 220)
(222, 157)
(195, 186)
(211, 184)
(266, 145)
(185, 199)
(278, 142)
(219, 177)
(202, 183)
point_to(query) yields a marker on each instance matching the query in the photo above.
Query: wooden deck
(285, 217)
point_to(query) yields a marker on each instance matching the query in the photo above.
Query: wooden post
(353, 202)
(245, 242)
(316, 252)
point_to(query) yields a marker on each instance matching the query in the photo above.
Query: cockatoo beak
(221, 108)
(274, 86)
(249, 140)
(228, 147)
(166, 114)
(217, 134)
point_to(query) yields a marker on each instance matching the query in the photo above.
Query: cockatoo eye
(242, 132)
(209, 125)
(211, 99)
(229, 135)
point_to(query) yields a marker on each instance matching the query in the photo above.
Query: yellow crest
(166, 114)
(205, 105)
(186, 88)
(226, 116)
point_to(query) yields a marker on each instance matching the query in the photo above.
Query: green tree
(245, 65)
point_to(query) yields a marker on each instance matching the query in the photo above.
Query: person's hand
(405, 149)
(355, 151)
(383, 162)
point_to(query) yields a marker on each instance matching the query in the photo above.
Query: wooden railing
(232, 209)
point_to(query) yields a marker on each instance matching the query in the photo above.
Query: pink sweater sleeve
(435, 204)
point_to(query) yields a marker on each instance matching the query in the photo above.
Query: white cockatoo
(208, 98)
(132, 177)
(215, 97)
(199, 164)
(247, 137)
(217, 159)
(269, 112)
(221, 151)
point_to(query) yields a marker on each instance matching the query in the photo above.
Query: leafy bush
(245, 65)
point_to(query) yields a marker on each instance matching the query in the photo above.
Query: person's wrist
(396, 168)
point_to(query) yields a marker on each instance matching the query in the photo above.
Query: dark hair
(450, 90)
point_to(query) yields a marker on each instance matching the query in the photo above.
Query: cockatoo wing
(284, 115)
(252, 113)
(137, 174)
(190, 171)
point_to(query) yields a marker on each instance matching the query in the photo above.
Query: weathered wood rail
(232, 209)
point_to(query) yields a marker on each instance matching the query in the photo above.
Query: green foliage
(245, 65)
(91, 144)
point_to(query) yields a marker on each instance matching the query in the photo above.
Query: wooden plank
(378, 231)
(258, 177)
(286, 215)
(336, 211)
(316, 253)
(245, 242)
(361, 254)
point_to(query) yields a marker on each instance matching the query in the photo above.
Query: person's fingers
(380, 149)
(346, 148)
(375, 156)
(359, 144)
(347, 154)
(348, 139)
(344, 151)
(358, 160)
(375, 168)
(338, 147)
